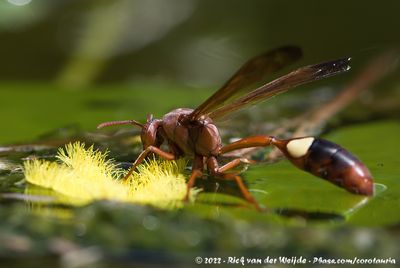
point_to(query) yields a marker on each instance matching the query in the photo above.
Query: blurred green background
(68, 65)
(58, 56)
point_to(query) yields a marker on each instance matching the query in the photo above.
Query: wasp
(193, 133)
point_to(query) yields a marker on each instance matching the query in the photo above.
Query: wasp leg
(234, 163)
(197, 172)
(144, 153)
(217, 171)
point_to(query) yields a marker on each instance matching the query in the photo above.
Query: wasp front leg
(144, 154)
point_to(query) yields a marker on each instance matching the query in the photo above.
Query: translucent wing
(252, 71)
(298, 77)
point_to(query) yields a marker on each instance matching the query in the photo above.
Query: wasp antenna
(123, 122)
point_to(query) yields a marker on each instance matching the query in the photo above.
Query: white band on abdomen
(299, 147)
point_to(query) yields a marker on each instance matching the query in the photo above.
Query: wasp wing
(298, 77)
(252, 71)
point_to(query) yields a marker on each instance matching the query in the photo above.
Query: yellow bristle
(86, 175)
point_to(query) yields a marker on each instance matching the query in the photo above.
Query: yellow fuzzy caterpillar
(84, 175)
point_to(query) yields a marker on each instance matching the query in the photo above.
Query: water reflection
(19, 2)
(309, 215)
(335, 214)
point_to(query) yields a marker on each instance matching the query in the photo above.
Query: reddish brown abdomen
(329, 161)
